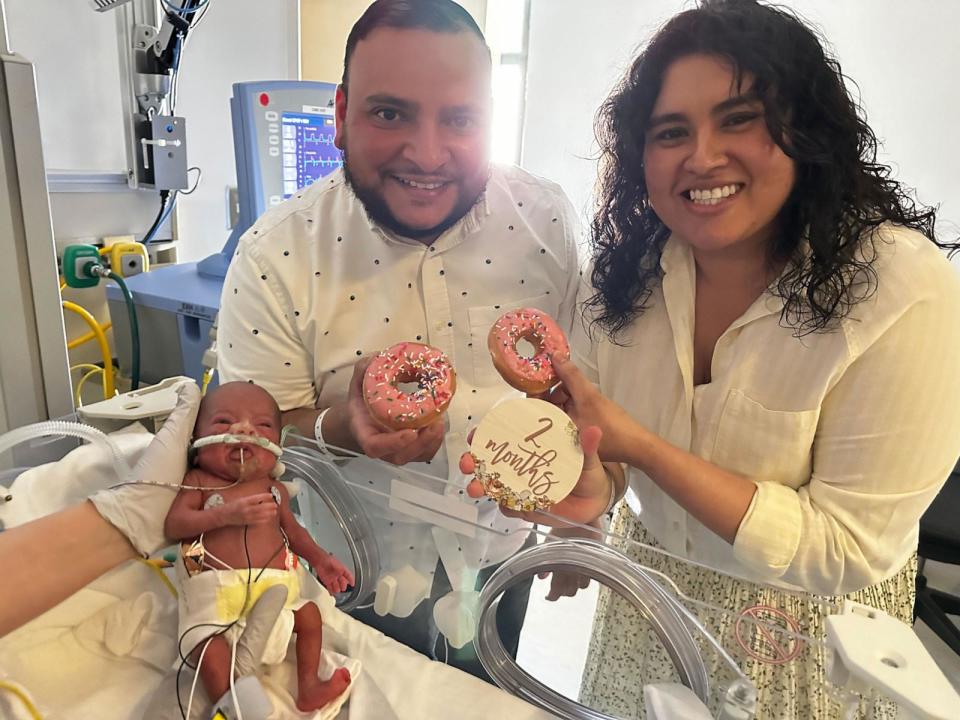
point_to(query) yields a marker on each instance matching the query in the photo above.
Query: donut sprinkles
(530, 374)
(394, 409)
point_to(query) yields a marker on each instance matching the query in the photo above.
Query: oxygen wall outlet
(77, 263)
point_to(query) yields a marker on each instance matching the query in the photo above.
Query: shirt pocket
(482, 318)
(765, 445)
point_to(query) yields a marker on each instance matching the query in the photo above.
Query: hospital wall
(74, 51)
(75, 56)
(903, 56)
(326, 25)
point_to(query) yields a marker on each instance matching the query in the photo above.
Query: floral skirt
(789, 674)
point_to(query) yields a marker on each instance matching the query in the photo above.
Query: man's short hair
(436, 15)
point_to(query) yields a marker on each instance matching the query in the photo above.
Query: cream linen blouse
(847, 434)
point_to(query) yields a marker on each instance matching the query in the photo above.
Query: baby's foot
(315, 695)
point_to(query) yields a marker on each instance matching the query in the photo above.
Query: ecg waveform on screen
(308, 143)
(316, 136)
(330, 164)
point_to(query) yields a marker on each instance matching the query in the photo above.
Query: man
(418, 239)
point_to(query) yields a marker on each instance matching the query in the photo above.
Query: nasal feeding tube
(236, 439)
(228, 439)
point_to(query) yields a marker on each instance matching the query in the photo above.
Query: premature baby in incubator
(240, 539)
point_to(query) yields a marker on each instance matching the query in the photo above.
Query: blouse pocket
(765, 445)
(482, 319)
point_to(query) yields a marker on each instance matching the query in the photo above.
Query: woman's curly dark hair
(840, 195)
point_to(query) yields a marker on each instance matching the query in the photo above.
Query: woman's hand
(579, 399)
(585, 503)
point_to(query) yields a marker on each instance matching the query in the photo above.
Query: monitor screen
(308, 150)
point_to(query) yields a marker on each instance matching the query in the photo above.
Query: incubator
(395, 531)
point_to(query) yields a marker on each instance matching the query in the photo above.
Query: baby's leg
(313, 693)
(215, 668)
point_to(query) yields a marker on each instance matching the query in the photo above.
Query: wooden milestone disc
(528, 454)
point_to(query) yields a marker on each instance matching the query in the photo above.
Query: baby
(243, 539)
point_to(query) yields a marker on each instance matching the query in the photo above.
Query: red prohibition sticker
(757, 632)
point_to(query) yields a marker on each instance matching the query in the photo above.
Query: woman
(772, 331)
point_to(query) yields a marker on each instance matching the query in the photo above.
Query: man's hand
(398, 446)
(251, 510)
(568, 584)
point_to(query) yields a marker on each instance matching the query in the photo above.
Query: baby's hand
(252, 510)
(333, 574)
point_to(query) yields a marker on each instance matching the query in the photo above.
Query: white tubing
(68, 429)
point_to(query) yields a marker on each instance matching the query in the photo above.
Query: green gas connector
(78, 264)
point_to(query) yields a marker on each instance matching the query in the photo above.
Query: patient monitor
(283, 141)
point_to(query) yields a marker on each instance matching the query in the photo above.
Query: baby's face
(238, 409)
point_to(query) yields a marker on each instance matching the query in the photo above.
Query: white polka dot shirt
(315, 285)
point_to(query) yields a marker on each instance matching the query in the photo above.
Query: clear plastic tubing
(69, 429)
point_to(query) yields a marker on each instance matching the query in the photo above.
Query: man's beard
(379, 212)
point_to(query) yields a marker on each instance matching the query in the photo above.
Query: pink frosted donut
(533, 375)
(394, 409)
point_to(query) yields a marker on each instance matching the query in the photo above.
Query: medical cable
(184, 659)
(195, 184)
(92, 370)
(83, 339)
(246, 596)
(164, 212)
(23, 698)
(224, 629)
(134, 330)
(185, 9)
(171, 486)
(196, 676)
(159, 573)
(78, 393)
(207, 377)
(185, 36)
(97, 330)
(233, 684)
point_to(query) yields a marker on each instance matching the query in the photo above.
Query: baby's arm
(330, 571)
(187, 518)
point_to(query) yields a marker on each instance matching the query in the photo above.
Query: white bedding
(101, 653)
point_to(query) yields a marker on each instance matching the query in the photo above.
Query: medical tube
(326, 480)
(68, 429)
(659, 609)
